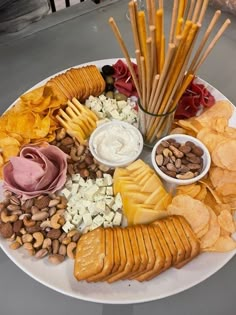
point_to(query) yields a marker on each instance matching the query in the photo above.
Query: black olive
(108, 70)
(109, 87)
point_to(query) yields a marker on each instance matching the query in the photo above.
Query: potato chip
(220, 109)
(202, 194)
(226, 222)
(213, 232)
(203, 231)
(210, 138)
(211, 190)
(223, 244)
(190, 190)
(223, 155)
(194, 211)
(220, 176)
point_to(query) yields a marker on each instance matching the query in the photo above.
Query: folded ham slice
(37, 170)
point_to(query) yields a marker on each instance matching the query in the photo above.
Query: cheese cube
(101, 205)
(101, 182)
(66, 192)
(68, 184)
(108, 178)
(68, 216)
(77, 219)
(98, 197)
(98, 220)
(107, 224)
(109, 200)
(118, 200)
(93, 226)
(91, 191)
(82, 182)
(87, 218)
(117, 219)
(115, 114)
(109, 191)
(75, 188)
(115, 207)
(102, 191)
(93, 209)
(109, 217)
(68, 227)
(76, 178)
(82, 210)
(72, 210)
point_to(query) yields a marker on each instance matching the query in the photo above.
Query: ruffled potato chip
(191, 190)
(210, 138)
(225, 220)
(213, 233)
(222, 155)
(220, 109)
(202, 232)
(223, 244)
(194, 211)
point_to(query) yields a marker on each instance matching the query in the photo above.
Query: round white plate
(60, 278)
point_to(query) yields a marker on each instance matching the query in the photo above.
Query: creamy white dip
(117, 143)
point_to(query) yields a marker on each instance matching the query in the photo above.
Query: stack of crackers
(139, 252)
(79, 83)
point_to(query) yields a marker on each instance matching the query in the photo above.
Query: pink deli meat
(38, 170)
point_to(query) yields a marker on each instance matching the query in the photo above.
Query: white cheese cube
(68, 216)
(118, 200)
(102, 97)
(74, 189)
(82, 210)
(92, 209)
(77, 219)
(109, 217)
(87, 219)
(102, 191)
(76, 178)
(66, 192)
(98, 197)
(107, 224)
(115, 114)
(117, 219)
(101, 205)
(72, 210)
(101, 182)
(108, 178)
(109, 191)
(109, 200)
(82, 182)
(98, 220)
(91, 191)
(68, 184)
(68, 226)
(115, 207)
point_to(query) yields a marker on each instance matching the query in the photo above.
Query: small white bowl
(108, 138)
(180, 138)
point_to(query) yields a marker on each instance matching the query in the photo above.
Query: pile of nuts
(179, 160)
(36, 225)
(80, 159)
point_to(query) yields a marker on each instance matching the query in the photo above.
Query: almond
(42, 202)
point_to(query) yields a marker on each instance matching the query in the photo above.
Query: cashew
(38, 236)
(28, 222)
(31, 252)
(73, 154)
(23, 231)
(19, 240)
(45, 224)
(72, 233)
(8, 218)
(27, 238)
(70, 251)
(52, 211)
(54, 221)
(12, 237)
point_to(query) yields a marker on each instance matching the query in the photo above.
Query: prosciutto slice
(36, 171)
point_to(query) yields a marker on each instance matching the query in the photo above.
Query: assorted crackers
(139, 252)
(79, 83)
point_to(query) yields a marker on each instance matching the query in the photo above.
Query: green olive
(109, 80)
(109, 94)
(120, 97)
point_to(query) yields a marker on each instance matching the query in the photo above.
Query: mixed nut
(36, 225)
(80, 160)
(179, 160)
